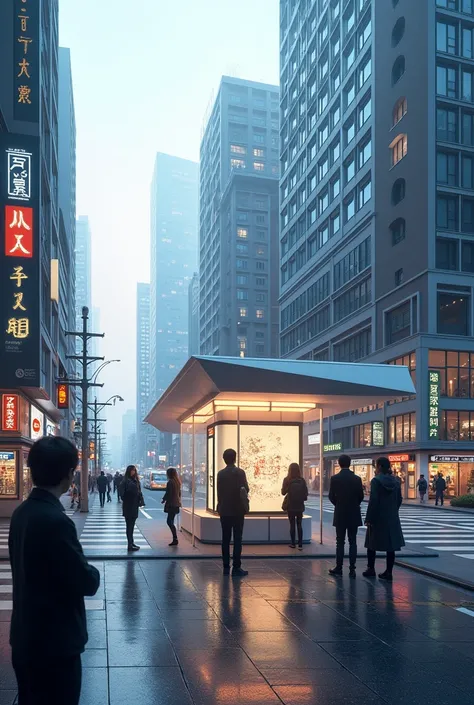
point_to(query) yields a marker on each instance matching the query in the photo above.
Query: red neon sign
(18, 231)
(10, 412)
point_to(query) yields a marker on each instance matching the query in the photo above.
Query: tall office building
(238, 228)
(143, 372)
(129, 438)
(34, 261)
(377, 217)
(67, 224)
(83, 268)
(193, 315)
(174, 215)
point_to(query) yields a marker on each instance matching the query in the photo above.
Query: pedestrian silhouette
(232, 505)
(346, 493)
(296, 493)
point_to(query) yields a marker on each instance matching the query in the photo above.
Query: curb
(443, 577)
(217, 557)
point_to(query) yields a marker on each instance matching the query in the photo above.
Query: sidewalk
(178, 633)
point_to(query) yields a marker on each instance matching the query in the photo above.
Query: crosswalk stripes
(431, 528)
(104, 529)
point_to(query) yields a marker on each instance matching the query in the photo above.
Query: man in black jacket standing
(346, 493)
(102, 484)
(51, 576)
(230, 482)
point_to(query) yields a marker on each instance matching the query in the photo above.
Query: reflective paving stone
(94, 658)
(284, 650)
(131, 648)
(95, 687)
(327, 695)
(7, 697)
(154, 686)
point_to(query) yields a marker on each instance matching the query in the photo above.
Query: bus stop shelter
(258, 406)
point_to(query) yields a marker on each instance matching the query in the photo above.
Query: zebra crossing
(104, 530)
(438, 530)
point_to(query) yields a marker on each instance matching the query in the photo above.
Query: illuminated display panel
(266, 451)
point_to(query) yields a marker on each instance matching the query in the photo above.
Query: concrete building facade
(377, 218)
(238, 222)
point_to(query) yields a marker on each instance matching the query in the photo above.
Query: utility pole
(96, 408)
(84, 383)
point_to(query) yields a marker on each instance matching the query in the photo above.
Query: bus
(155, 480)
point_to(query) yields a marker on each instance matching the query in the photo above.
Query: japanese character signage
(18, 232)
(19, 261)
(433, 405)
(10, 412)
(377, 433)
(63, 396)
(26, 60)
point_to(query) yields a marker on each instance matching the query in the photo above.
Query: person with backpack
(295, 489)
(232, 505)
(422, 487)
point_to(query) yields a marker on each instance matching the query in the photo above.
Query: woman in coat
(384, 531)
(132, 499)
(296, 493)
(172, 501)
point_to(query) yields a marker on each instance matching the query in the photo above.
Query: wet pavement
(178, 633)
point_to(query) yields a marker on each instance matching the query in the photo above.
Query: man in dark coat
(440, 488)
(230, 482)
(102, 485)
(384, 531)
(346, 493)
(48, 630)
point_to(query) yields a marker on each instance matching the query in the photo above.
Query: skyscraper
(238, 229)
(83, 268)
(67, 223)
(174, 213)
(193, 315)
(377, 216)
(35, 261)
(129, 438)
(143, 370)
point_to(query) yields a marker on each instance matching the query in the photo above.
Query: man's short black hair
(51, 459)
(344, 461)
(384, 465)
(230, 456)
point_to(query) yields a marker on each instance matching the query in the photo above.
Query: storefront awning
(336, 387)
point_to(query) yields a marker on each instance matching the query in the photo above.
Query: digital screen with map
(266, 451)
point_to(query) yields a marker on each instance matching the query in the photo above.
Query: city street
(178, 633)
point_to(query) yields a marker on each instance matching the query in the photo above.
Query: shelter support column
(321, 472)
(194, 481)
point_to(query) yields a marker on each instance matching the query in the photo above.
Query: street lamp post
(96, 408)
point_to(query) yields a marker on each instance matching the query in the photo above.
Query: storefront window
(456, 372)
(402, 429)
(456, 426)
(8, 476)
(27, 482)
(410, 362)
(368, 434)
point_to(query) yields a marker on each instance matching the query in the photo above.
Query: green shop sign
(433, 405)
(332, 447)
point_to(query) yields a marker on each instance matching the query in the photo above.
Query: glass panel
(463, 382)
(437, 358)
(398, 429)
(406, 428)
(464, 429)
(413, 427)
(391, 430)
(453, 359)
(453, 390)
(452, 426)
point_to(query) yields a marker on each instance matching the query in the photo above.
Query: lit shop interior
(258, 407)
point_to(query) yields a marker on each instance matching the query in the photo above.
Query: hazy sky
(144, 74)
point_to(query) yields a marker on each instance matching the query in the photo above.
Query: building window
(467, 256)
(365, 72)
(365, 152)
(401, 429)
(258, 152)
(397, 229)
(242, 312)
(365, 112)
(238, 149)
(349, 93)
(447, 212)
(467, 212)
(456, 372)
(260, 313)
(237, 164)
(398, 191)
(399, 111)
(446, 81)
(399, 149)
(242, 249)
(260, 281)
(398, 69)
(352, 264)
(398, 31)
(260, 297)
(260, 265)
(399, 277)
(467, 172)
(354, 348)
(398, 323)
(242, 264)
(242, 295)
(410, 362)
(447, 125)
(467, 48)
(352, 300)
(242, 280)
(453, 313)
(349, 168)
(242, 233)
(349, 131)
(259, 166)
(365, 193)
(447, 253)
(349, 207)
(447, 168)
(446, 38)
